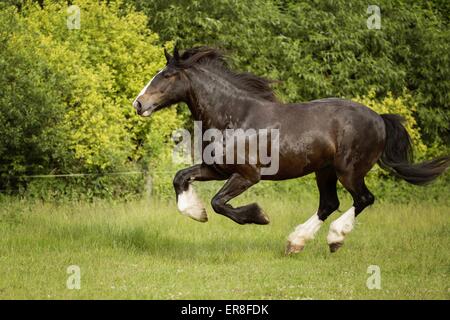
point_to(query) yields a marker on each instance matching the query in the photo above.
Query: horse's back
(326, 130)
(334, 104)
(333, 114)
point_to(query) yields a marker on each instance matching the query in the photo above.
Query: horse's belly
(303, 154)
(290, 168)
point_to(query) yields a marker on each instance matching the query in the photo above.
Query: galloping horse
(336, 139)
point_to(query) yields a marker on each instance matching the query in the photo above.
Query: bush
(323, 48)
(402, 105)
(66, 97)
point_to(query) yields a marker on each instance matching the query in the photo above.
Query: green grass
(147, 250)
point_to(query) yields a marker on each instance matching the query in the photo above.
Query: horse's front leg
(188, 202)
(236, 185)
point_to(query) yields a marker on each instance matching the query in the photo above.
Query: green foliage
(30, 103)
(86, 188)
(404, 106)
(66, 94)
(323, 48)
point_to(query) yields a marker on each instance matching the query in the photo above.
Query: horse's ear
(168, 56)
(176, 55)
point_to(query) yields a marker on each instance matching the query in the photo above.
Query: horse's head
(167, 87)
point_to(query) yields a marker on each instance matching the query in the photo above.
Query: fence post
(148, 184)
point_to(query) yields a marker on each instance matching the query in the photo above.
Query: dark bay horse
(336, 139)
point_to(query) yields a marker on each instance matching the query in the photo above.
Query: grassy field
(145, 249)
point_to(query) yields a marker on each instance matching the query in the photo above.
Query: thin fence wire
(81, 175)
(74, 175)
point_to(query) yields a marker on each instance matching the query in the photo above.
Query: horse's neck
(215, 101)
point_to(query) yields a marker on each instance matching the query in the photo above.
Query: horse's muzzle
(141, 110)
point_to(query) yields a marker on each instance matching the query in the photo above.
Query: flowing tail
(398, 155)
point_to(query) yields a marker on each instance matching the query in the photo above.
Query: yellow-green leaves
(100, 69)
(66, 95)
(403, 105)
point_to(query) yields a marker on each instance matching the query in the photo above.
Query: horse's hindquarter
(323, 132)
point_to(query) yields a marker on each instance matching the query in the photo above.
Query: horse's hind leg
(362, 198)
(236, 185)
(326, 182)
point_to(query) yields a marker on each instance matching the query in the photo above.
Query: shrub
(66, 97)
(323, 48)
(402, 105)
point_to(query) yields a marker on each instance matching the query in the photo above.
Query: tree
(66, 94)
(323, 48)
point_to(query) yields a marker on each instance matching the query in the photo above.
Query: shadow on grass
(155, 241)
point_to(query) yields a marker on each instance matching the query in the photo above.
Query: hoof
(293, 248)
(256, 215)
(198, 214)
(335, 246)
(202, 218)
(189, 204)
(262, 218)
(251, 213)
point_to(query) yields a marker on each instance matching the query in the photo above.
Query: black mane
(214, 58)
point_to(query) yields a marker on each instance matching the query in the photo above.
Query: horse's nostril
(137, 105)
